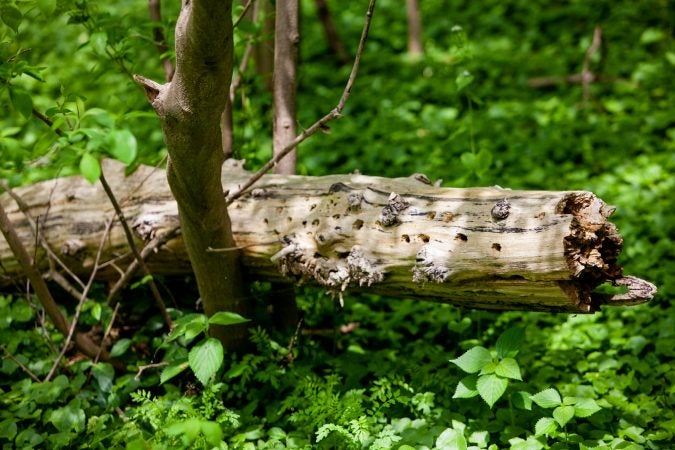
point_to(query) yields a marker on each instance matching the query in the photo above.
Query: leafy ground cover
(380, 372)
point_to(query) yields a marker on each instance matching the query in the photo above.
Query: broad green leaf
(46, 7)
(98, 42)
(172, 370)
(212, 432)
(120, 347)
(463, 80)
(509, 368)
(521, 400)
(466, 388)
(530, 444)
(205, 359)
(545, 426)
(104, 373)
(509, 343)
(585, 407)
(651, 35)
(451, 439)
(10, 15)
(473, 360)
(488, 368)
(227, 318)
(21, 101)
(190, 326)
(8, 429)
(189, 429)
(68, 418)
(563, 414)
(491, 388)
(123, 145)
(548, 398)
(468, 159)
(96, 311)
(90, 168)
(483, 161)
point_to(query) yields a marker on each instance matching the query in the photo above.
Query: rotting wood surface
(488, 248)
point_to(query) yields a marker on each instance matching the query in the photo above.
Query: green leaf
(8, 429)
(212, 432)
(509, 368)
(98, 42)
(190, 326)
(491, 388)
(473, 360)
(96, 311)
(585, 407)
(451, 439)
(21, 101)
(68, 418)
(548, 398)
(545, 425)
(104, 373)
(90, 168)
(120, 347)
(468, 159)
(227, 318)
(205, 359)
(463, 80)
(651, 35)
(46, 7)
(522, 400)
(123, 146)
(172, 370)
(563, 414)
(509, 343)
(188, 429)
(10, 15)
(466, 388)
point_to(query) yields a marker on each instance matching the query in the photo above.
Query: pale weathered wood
(481, 247)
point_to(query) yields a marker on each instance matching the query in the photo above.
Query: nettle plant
(490, 373)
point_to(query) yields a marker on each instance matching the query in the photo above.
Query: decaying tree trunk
(482, 247)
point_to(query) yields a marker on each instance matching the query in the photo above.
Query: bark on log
(482, 247)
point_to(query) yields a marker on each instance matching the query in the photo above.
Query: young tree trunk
(334, 42)
(190, 108)
(415, 46)
(286, 42)
(483, 247)
(263, 52)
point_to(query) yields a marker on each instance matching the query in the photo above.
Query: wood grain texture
(481, 247)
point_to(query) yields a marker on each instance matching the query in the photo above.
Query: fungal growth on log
(489, 248)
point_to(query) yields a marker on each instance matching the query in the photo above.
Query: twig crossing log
(482, 247)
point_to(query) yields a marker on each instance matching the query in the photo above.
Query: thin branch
(25, 209)
(587, 76)
(20, 364)
(142, 369)
(320, 124)
(83, 342)
(154, 7)
(247, 6)
(107, 330)
(47, 121)
(78, 309)
(134, 249)
(131, 269)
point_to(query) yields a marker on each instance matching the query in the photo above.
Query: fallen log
(487, 248)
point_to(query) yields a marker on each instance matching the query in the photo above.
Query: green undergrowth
(379, 372)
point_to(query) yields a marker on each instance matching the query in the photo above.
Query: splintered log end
(592, 250)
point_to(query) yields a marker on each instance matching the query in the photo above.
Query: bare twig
(131, 269)
(247, 6)
(47, 121)
(154, 7)
(25, 209)
(587, 77)
(289, 358)
(142, 369)
(107, 330)
(318, 125)
(20, 364)
(86, 345)
(80, 304)
(134, 249)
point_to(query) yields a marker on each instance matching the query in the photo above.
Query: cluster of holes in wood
(446, 216)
